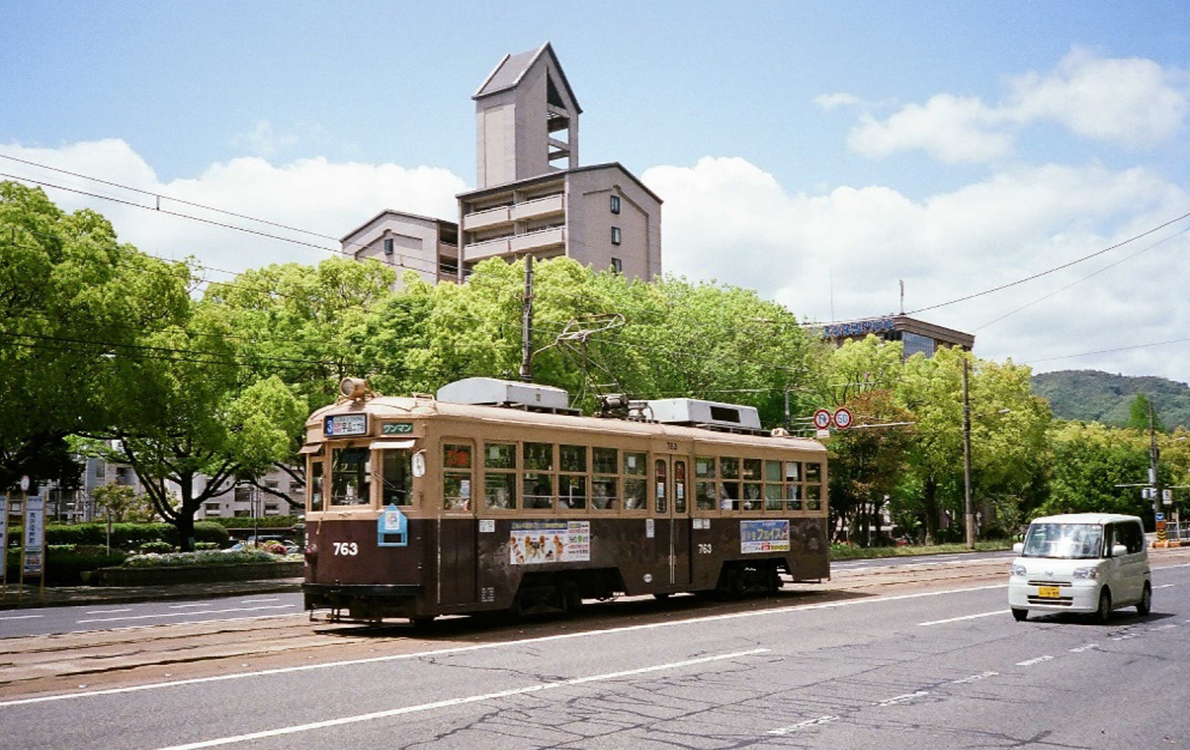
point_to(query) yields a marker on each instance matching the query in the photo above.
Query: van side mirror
(1118, 550)
(1019, 547)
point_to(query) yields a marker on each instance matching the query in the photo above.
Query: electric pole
(968, 513)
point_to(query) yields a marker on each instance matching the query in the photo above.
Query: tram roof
(395, 407)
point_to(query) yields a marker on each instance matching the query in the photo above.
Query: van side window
(1130, 535)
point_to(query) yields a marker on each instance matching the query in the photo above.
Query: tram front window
(396, 477)
(349, 476)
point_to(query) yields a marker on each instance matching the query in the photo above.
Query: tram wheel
(420, 623)
(661, 595)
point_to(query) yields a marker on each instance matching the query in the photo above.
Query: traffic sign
(822, 419)
(842, 418)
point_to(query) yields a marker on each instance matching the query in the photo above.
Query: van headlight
(1018, 571)
(1086, 573)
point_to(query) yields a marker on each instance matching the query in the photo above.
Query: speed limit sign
(842, 419)
(822, 419)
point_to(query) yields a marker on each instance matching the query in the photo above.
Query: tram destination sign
(345, 425)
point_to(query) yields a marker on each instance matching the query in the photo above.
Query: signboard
(764, 536)
(538, 542)
(392, 528)
(34, 535)
(345, 425)
(822, 419)
(396, 428)
(842, 419)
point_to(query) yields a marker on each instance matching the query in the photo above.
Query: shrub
(206, 557)
(156, 546)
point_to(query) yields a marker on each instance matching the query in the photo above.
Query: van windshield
(1072, 541)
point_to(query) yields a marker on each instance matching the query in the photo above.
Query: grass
(848, 552)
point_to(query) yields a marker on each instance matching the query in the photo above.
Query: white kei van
(1081, 562)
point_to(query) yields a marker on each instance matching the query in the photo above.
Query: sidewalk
(65, 596)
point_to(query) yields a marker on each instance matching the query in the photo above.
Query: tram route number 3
(346, 549)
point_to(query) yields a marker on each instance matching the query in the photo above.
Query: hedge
(264, 522)
(126, 536)
(65, 564)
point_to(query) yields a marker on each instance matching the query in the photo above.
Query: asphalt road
(49, 620)
(938, 667)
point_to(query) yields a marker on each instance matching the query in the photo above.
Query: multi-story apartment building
(532, 195)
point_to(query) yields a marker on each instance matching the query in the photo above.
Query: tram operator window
(316, 484)
(396, 476)
(499, 478)
(606, 482)
(349, 477)
(456, 477)
(635, 489)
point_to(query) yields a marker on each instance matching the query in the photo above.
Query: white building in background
(532, 197)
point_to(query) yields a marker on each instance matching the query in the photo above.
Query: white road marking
(794, 609)
(902, 698)
(964, 617)
(450, 702)
(804, 724)
(975, 678)
(261, 601)
(190, 606)
(183, 614)
(1031, 662)
(1081, 649)
(20, 617)
(107, 611)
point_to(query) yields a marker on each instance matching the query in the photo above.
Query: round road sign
(842, 419)
(822, 419)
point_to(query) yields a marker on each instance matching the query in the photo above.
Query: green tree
(866, 463)
(121, 503)
(1140, 411)
(75, 305)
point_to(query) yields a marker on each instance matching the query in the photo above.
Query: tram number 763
(346, 549)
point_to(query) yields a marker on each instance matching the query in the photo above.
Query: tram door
(671, 507)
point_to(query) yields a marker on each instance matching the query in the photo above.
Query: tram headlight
(353, 388)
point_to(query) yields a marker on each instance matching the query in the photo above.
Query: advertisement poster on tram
(537, 542)
(764, 536)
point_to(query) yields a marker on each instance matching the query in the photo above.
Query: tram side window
(396, 477)
(349, 477)
(316, 484)
(537, 487)
(752, 486)
(499, 479)
(773, 491)
(704, 483)
(605, 484)
(456, 477)
(635, 479)
(793, 486)
(572, 479)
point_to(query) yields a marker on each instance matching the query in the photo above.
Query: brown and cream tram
(493, 496)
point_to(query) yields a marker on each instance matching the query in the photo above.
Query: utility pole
(527, 324)
(1154, 454)
(969, 515)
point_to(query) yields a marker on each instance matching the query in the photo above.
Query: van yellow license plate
(1048, 592)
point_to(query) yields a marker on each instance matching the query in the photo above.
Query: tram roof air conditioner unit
(690, 411)
(494, 392)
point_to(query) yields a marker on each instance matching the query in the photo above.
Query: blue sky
(817, 152)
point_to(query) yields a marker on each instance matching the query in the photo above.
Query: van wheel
(1019, 614)
(1104, 612)
(1145, 605)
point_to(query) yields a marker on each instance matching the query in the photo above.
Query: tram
(493, 495)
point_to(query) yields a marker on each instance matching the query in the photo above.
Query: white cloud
(1131, 102)
(844, 253)
(315, 195)
(949, 128)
